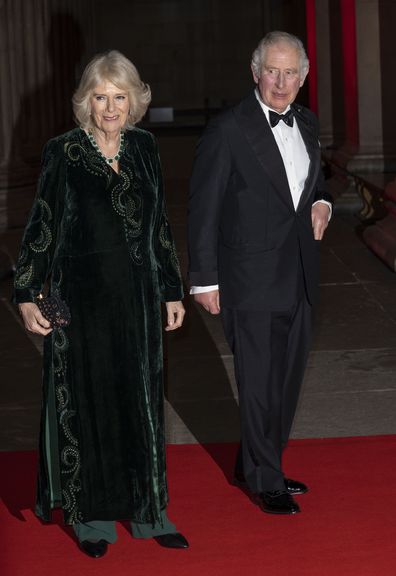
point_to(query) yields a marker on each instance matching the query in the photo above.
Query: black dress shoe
(94, 549)
(175, 540)
(278, 502)
(294, 487)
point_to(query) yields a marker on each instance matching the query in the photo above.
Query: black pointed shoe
(175, 540)
(278, 502)
(94, 549)
(294, 487)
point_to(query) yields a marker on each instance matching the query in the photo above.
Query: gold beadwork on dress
(77, 154)
(44, 239)
(24, 274)
(70, 459)
(166, 243)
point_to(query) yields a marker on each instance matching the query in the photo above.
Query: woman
(99, 231)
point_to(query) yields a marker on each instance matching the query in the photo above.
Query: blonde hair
(112, 67)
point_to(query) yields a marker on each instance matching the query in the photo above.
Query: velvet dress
(103, 243)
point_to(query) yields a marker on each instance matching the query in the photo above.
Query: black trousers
(270, 353)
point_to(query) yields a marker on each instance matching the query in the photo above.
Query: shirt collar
(265, 108)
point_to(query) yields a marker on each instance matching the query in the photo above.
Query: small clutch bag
(55, 310)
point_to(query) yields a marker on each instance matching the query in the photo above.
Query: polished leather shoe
(175, 540)
(294, 487)
(278, 502)
(94, 549)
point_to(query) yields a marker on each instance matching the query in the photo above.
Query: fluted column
(350, 82)
(369, 154)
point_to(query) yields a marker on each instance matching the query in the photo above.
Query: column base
(358, 181)
(381, 236)
(363, 161)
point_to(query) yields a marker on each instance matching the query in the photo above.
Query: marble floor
(350, 383)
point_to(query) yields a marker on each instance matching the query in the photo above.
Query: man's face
(281, 77)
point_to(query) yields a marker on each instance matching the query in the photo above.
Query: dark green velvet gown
(104, 241)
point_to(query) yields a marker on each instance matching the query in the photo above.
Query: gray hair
(112, 67)
(277, 37)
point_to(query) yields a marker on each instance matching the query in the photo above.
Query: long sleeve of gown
(40, 236)
(170, 282)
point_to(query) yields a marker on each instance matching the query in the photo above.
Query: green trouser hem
(98, 529)
(106, 530)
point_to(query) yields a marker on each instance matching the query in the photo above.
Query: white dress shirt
(293, 151)
(296, 162)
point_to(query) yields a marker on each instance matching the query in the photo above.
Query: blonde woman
(99, 236)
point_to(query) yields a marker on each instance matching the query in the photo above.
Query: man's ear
(255, 78)
(302, 80)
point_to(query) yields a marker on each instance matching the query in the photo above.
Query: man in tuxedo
(258, 210)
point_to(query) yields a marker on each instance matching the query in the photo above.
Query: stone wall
(42, 43)
(195, 54)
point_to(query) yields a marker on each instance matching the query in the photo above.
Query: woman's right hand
(33, 319)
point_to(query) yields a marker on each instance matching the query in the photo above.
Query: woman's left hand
(175, 312)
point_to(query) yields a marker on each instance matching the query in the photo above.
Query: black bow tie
(275, 118)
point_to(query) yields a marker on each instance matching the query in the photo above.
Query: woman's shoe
(175, 540)
(94, 549)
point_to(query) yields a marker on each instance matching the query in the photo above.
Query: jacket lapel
(308, 133)
(253, 123)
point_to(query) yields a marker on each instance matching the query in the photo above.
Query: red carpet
(347, 526)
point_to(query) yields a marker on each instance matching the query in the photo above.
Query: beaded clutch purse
(55, 310)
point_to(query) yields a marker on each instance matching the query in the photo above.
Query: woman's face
(109, 107)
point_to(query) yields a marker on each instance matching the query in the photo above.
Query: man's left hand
(320, 219)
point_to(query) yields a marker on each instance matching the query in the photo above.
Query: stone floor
(350, 383)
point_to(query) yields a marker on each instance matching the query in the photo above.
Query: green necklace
(108, 159)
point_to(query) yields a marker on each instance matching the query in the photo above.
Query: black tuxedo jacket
(244, 233)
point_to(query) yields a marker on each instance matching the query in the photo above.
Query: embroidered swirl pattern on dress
(44, 239)
(168, 245)
(118, 194)
(25, 270)
(70, 455)
(87, 157)
(128, 204)
(70, 460)
(41, 243)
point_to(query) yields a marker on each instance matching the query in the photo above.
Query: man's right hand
(209, 300)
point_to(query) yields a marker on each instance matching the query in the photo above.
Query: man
(258, 210)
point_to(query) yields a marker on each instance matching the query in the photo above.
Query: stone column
(369, 154)
(350, 88)
(350, 82)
